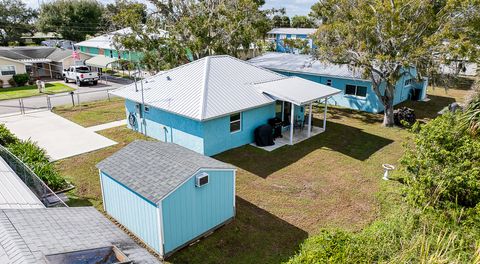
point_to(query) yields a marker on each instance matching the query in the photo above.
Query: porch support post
(50, 70)
(292, 124)
(325, 116)
(309, 120)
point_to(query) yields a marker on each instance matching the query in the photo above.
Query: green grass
(93, 113)
(31, 90)
(332, 180)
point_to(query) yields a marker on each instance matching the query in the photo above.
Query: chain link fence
(33, 182)
(43, 103)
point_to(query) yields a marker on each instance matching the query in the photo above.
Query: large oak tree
(382, 37)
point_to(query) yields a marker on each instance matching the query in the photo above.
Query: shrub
(443, 166)
(12, 82)
(6, 137)
(1, 83)
(21, 79)
(31, 81)
(37, 160)
(471, 117)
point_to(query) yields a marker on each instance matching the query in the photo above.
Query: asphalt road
(84, 93)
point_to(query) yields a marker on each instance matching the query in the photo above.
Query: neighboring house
(38, 37)
(39, 62)
(65, 235)
(167, 195)
(357, 92)
(214, 104)
(278, 35)
(105, 45)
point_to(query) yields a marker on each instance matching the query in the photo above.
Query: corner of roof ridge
(203, 99)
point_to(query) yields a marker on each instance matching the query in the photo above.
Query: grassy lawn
(332, 180)
(31, 90)
(94, 113)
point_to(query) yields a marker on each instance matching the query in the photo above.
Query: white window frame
(283, 36)
(356, 91)
(14, 69)
(239, 121)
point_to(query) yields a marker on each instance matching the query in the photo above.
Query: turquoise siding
(217, 136)
(126, 55)
(131, 210)
(209, 137)
(370, 103)
(280, 46)
(169, 127)
(191, 211)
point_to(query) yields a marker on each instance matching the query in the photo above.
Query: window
(235, 122)
(7, 70)
(201, 179)
(146, 109)
(408, 82)
(360, 91)
(329, 82)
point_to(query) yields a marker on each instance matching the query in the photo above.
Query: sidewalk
(108, 125)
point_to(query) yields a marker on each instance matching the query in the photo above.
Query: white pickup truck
(80, 75)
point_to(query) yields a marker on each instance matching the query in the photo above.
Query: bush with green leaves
(471, 116)
(6, 137)
(443, 165)
(21, 79)
(1, 84)
(12, 82)
(406, 235)
(37, 160)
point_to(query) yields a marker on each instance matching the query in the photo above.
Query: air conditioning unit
(201, 179)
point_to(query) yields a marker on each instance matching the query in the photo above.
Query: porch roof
(296, 90)
(100, 61)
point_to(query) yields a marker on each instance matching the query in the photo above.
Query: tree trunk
(388, 120)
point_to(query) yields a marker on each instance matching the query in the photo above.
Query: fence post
(73, 100)
(49, 103)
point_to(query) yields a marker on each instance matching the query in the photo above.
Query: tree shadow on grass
(254, 236)
(348, 140)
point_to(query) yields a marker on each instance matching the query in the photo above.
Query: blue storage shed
(167, 195)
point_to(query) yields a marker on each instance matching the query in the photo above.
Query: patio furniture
(299, 123)
(263, 136)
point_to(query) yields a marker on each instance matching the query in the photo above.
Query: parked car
(80, 75)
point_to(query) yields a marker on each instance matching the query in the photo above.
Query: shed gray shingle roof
(153, 169)
(26, 235)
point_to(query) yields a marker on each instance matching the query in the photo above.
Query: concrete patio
(299, 135)
(60, 137)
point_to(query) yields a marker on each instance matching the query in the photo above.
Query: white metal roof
(207, 88)
(106, 41)
(295, 31)
(297, 90)
(14, 194)
(100, 61)
(305, 64)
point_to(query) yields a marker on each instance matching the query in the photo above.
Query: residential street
(86, 94)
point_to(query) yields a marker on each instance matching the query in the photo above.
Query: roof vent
(168, 78)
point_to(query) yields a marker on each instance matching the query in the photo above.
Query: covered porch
(295, 98)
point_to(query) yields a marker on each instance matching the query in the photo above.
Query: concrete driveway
(60, 137)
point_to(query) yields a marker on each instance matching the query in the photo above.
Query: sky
(293, 7)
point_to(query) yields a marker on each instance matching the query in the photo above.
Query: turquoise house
(278, 35)
(214, 104)
(167, 195)
(356, 91)
(105, 45)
